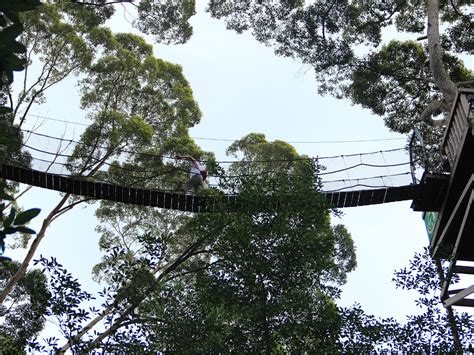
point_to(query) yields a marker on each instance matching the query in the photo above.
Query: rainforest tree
(358, 51)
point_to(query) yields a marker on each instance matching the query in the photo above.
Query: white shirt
(195, 171)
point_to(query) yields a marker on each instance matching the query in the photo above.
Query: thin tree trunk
(31, 252)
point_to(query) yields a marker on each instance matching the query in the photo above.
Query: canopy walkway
(76, 185)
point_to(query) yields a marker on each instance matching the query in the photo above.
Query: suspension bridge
(451, 196)
(190, 202)
(50, 169)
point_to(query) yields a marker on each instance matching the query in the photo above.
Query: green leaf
(16, 47)
(10, 230)
(5, 196)
(26, 216)
(15, 63)
(4, 110)
(8, 34)
(2, 245)
(25, 230)
(4, 259)
(8, 221)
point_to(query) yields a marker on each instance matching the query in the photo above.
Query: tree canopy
(358, 52)
(246, 280)
(265, 277)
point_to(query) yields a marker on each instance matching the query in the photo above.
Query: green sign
(430, 219)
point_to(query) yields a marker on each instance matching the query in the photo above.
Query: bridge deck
(183, 202)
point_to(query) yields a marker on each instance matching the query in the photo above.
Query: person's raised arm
(188, 158)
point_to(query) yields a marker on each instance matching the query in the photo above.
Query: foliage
(399, 80)
(261, 278)
(66, 39)
(10, 49)
(23, 311)
(433, 330)
(14, 222)
(166, 20)
(66, 300)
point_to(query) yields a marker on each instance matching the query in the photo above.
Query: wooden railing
(459, 122)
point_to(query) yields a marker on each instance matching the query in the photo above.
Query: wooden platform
(459, 188)
(453, 235)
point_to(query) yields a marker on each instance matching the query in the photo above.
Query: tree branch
(194, 270)
(31, 252)
(435, 108)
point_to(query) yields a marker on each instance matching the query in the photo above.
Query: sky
(242, 87)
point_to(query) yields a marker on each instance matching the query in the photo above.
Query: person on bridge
(197, 174)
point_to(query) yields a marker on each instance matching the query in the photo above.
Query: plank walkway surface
(184, 202)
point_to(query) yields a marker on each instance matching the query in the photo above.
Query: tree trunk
(440, 76)
(31, 252)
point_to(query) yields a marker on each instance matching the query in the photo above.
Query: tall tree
(262, 277)
(24, 310)
(273, 265)
(140, 106)
(406, 82)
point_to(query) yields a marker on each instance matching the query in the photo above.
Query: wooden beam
(455, 300)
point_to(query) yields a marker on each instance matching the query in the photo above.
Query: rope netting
(349, 172)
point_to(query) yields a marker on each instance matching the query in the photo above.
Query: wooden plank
(161, 200)
(167, 200)
(189, 203)
(118, 193)
(132, 195)
(113, 192)
(125, 195)
(348, 199)
(90, 189)
(182, 202)
(64, 184)
(106, 188)
(462, 269)
(365, 196)
(335, 199)
(83, 188)
(174, 201)
(378, 196)
(42, 181)
(392, 194)
(49, 181)
(17, 174)
(146, 197)
(355, 198)
(466, 302)
(140, 201)
(35, 177)
(154, 199)
(76, 190)
(29, 177)
(458, 297)
(98, 190)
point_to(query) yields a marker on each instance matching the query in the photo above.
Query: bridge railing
(461, 118)
(416, 137)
